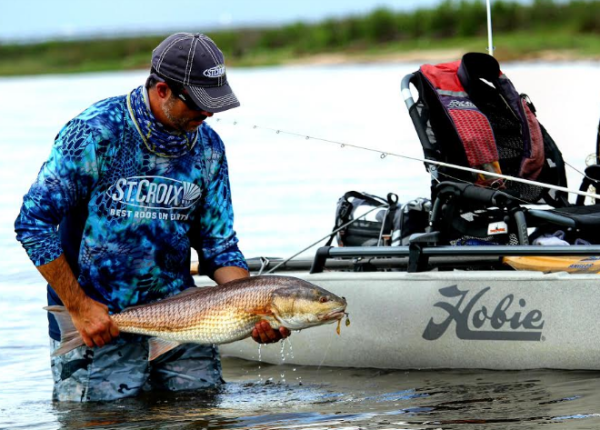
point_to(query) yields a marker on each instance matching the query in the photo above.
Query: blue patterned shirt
(128, 217)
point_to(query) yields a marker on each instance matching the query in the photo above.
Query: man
(132, 183)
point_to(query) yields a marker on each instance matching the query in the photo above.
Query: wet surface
(313, 398)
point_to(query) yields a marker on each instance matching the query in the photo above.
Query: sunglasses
(182, 94)
(178, 91)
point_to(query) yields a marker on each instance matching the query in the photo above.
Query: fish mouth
(336, 314)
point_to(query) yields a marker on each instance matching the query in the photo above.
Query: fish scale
(217, 315)
(208, 315)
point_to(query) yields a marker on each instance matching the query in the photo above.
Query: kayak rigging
(384, 154)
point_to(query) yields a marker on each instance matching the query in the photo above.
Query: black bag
(371, 226)
(414, 218)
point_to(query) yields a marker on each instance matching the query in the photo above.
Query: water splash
(282, 351)
(299, 377)
(259, 361)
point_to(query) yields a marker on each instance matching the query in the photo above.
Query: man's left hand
(264, 333)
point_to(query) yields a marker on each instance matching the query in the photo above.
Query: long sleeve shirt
(125, 217)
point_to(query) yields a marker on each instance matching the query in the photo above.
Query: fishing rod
(384, 154)
(489, 27)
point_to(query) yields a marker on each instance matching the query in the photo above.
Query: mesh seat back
(443, 143)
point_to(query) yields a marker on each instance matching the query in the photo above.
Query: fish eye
(323, 299)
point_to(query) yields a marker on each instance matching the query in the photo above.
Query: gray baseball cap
(196, 63)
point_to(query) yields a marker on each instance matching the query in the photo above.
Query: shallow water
(286, 397)
(285, 189)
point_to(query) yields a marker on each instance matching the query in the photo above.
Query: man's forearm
(89, 317)
(59, 275)
(229, 273)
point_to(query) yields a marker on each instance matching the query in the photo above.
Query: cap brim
(213, 99)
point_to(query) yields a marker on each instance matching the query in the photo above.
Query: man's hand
(89, 317)
(94, 324)
(264, 333)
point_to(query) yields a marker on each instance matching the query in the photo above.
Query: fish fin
(261, 312)
(69, 336)
(159, 346)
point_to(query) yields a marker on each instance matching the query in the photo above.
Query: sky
(37, 20)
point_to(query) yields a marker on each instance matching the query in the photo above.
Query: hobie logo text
(502, 320)
(154, 192)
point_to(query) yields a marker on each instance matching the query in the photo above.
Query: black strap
(345, 208)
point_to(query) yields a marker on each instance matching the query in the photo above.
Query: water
(285, 189)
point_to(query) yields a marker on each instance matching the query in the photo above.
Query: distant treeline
(450, 19)
(450, 24)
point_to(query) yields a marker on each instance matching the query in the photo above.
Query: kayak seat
(469, 114)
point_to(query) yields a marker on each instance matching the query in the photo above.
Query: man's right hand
(93, 322)
(89, 317)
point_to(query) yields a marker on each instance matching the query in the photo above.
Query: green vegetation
(544, 28)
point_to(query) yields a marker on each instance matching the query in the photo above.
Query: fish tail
(69, 336)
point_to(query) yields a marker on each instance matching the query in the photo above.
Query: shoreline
(387, 56)
(549, 31)
(437, 56)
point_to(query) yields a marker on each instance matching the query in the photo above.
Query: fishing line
(577, 170)
(325, 237)
(384, 154)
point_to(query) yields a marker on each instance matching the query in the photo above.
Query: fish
(218, 315)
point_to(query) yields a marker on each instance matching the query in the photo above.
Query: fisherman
(131, 184)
